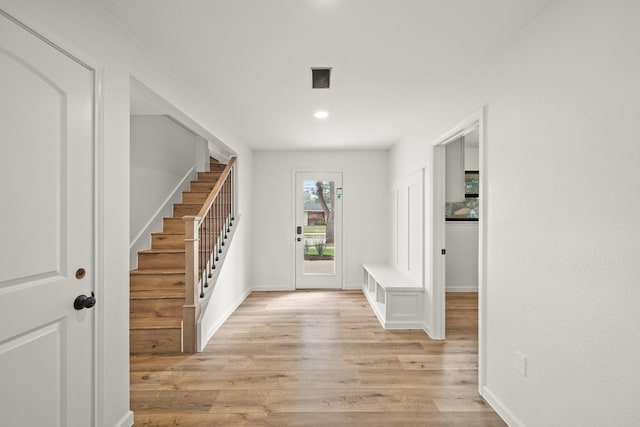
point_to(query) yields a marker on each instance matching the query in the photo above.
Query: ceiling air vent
(321, 77)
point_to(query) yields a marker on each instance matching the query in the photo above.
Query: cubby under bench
(396, 299)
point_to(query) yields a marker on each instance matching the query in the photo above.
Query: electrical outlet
(520, 364)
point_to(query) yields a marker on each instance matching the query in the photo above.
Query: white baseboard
(126, 420)
(352, 286)
(462, 289)
(399, 324)
(501, 409)
(272, 288)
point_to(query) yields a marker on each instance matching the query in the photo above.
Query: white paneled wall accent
(407, 216)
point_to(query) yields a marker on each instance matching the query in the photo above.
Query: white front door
(46, 233)
(318, 230)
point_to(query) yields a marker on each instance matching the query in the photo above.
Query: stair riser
(192, 197)
(182, 210)
(156, 281)
(209, 176)
(215, 167)
(167, 241)
(202, 186)
(156, 307)
(155, 341)
(173, 225)
(160, 260)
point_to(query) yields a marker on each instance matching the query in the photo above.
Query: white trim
(437, 226)
(482, 253)
(461, 129)
(437, 233)
(125, 421)
(98, 240)
(501, 409)
(352, 286)
(273, 288)
(169, 200)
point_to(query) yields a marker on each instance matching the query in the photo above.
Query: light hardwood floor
(317, 358)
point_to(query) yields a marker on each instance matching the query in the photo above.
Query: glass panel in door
(319, 227)
(318, 230)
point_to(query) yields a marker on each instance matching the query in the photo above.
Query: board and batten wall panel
(406, 201)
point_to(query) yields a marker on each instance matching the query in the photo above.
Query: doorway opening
(458, 221)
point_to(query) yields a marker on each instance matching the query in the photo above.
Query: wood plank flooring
(317, 358)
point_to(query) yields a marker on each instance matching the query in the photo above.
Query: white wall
(462, 256)
(560, 171)
(365, 212)
(164, 159)
(471, 158)
(85, 30)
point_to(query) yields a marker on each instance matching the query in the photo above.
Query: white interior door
(318, 230)
(46, 158)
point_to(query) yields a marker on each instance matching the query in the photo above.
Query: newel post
(191, 307)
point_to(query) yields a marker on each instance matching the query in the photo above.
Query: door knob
(299, 239)
(83, 301)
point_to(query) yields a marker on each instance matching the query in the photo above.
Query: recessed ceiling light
(321, 114)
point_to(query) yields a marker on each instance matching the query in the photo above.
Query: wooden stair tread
(162, 251)
(154, 323)
(158, 271)
(157, 295)
(144, 294)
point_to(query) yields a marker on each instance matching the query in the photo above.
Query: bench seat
(396, 299)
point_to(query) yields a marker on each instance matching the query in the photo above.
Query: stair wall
(165, 157)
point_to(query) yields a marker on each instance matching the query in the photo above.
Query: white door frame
(437, 310)
(339, 233)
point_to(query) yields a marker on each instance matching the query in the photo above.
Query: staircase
(157, 286)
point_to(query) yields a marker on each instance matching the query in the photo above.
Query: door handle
(83, 301)
(299, 239)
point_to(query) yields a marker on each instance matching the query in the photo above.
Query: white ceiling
(252, 59)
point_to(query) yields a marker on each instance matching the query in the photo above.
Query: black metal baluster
(231, 180)
(227, 206)
(207, 247)
(212, 221)
(200, 269)
(221, 210)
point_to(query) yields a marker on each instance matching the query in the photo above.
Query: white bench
(396, 299)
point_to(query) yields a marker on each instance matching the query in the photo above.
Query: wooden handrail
(216, 189)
